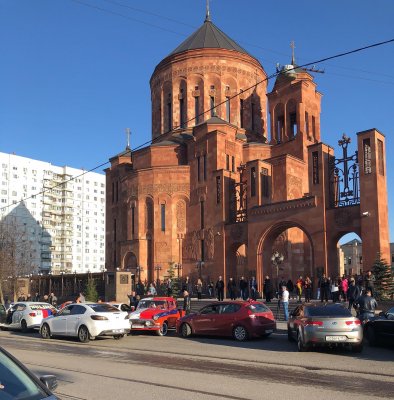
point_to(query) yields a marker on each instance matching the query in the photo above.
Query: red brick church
(234, 174)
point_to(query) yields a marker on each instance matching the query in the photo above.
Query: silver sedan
(324, 325)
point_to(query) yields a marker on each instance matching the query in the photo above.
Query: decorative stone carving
(180, 216)
(342, 217)
(156, 188)
(210, 243)
(282, 206)
(195, 246)
(294, 187)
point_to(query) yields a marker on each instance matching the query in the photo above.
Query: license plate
(137, 326)
(335, 338)
(269, 330)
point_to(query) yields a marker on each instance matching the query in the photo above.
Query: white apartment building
(62, 210)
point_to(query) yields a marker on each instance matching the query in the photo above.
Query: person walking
(343, 287)
(253, 288)
(353, 293)
(267, 289)
(308, 289)
(220, 288)
(366, 306)
(232, 289)
(186, 302)
(285, 302)
(299, 287)
(199, 289)
(243, 288)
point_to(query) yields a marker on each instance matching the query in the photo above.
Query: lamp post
(277, 259)
(157, 269)
(178, 267)
(139, 269)
(62, 274)
(199, 266)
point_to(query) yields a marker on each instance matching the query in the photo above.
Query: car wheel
(83, 334)
(240, 333)
(163, 330)
(24, 326)
(371, 336)
(300, 343)
(45, 332)
(118, 337)
(358, 348)
(185, 330)
(289, 335)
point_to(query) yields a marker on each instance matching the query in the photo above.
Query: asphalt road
(151, 367)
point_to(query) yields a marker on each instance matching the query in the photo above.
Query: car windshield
(390, 310)
(160, 304)
(16, 384)
(327, 311)
(102, 307)
(258, 308)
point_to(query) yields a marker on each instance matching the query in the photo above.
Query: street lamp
(277, 259)
(199, 266)
(157, 269)
(178, 267)
(139, 269)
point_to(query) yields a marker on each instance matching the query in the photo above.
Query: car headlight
(155, 317)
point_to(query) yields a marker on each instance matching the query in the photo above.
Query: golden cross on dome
(207, 12)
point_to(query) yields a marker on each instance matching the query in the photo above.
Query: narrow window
(232, 163)
(293, 124)
(253, 117)
(202, 250)
(202, 214)
(163, 217)
(227, 162)
(279, 128)
(114, 229)
(264, 182)
(228, 109)
(313, 126)
(113, 192)
(241, 113)
(205, 167)
(169, 115)
(253, 181)
(182, 113)
(196, 109)
(380, 157)
(367, 156)
(212, 105)
(115, 257)
(132, 220)
(218, 189)
(198, 169)
(306, 123)
(315, 167)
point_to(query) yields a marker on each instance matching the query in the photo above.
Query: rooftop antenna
(292, 45)
(207, 13)
(128, 133)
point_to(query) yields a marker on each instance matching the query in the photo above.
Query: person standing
(290, 287)
(308, 289)
(243, 288)
(299, 287)
(353, 293)
(335, 291)
(324, 288)
(285, 302)
(169, 287)
(36, 297)
(52, 299)
(186, 302)
(267, 289)
(369, 282)
(344, 287)
(220, 288)
(366, 306)
(253, 288)
(199, 289)
(210, 289)
(232, 289)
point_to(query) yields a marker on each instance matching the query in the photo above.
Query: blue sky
(75, 73)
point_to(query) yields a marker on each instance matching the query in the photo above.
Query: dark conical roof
(208, 36)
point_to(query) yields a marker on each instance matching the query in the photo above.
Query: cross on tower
(292, 45)
(207, 13)
(128, 133)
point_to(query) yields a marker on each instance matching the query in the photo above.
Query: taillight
(356, 322)
(99, 318)
(251, 315)
(313, 323)
(33, 314)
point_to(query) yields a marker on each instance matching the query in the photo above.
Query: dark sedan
(17, 382)
(380, 329)
(239, 319)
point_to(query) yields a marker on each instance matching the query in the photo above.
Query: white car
(86, 321)
(27, 315)
(122, 307)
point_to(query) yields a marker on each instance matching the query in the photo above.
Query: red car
(156, 314)
(239, 319)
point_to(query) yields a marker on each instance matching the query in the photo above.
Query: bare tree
(15, 255)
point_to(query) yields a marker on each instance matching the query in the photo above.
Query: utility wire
(210, 110)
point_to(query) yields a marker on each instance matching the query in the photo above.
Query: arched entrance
(293, 247)
(130, 261)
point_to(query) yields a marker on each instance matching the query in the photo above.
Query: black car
(3, 314)
(380, 329)
(17, 382)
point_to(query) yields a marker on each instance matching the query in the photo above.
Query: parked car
(239, 319)
(324, 325)
(122, 307)
(157, 314)
(17, 382)
(3, 314)
(27, 315)
(86, 321)
(380, 329)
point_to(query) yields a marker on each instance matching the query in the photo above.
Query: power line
(343, 54)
